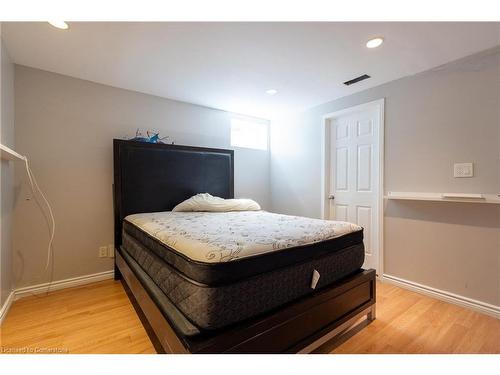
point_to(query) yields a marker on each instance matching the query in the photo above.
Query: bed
(229, 282)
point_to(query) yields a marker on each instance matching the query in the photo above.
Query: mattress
(220, 247)
(215, 294)
(214, 307)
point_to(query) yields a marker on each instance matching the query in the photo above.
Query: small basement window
(249, 134)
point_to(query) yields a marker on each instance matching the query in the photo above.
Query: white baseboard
(62, 284)
(456, 299)
(6, 306)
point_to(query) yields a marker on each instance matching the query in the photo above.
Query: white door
(354, 174)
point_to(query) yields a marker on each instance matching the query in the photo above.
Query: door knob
(331, 196)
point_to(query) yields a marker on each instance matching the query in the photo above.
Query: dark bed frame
(156, 177)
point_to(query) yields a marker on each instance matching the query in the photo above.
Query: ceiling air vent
(357, 79)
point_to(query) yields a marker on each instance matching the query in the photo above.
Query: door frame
(325, 167)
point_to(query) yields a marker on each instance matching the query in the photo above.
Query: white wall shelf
(445, 197)
(9, 154)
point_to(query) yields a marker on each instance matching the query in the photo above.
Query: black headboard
(156, 177)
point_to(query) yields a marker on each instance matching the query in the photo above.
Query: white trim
(442, 295)
(325, 172)
(63, 284)
(325, 122)
(6, 306)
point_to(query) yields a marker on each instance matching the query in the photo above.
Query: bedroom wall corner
(293, 165)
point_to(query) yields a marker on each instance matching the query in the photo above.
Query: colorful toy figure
(150, 138)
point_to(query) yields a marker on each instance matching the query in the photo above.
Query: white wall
(66, 127)
(6, 172)
(432, 120)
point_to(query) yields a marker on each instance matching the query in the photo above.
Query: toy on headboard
(150, 137)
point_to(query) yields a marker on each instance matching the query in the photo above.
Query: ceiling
(230, 65)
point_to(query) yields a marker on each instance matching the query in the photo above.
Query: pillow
(209, 203)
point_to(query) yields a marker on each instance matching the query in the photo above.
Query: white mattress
(214, 237)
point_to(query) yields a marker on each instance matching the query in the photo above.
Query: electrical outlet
(461, 170)
(111, 251)
(103, 252)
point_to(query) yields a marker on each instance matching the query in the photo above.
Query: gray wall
(66, 126)
(432, 120)
(6, 172)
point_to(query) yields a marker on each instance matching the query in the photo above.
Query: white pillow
(209, 203)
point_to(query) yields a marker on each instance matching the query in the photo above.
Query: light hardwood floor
(98, 318)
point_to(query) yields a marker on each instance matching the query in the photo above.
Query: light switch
(463, 170)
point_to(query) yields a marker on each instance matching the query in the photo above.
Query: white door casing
(353, 175)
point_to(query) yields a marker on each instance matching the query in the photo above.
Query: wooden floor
(96, 318)
(99, 318)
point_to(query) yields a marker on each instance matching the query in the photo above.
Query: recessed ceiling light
(271, 92)
(59, 24)
(375, 42)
